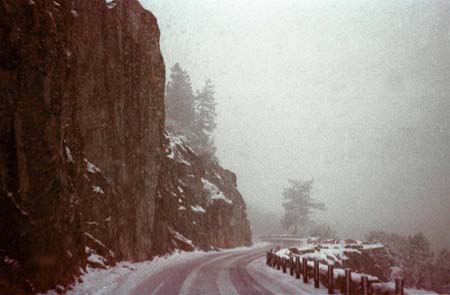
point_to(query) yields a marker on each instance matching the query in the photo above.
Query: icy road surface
(227, 272)
(238, 272)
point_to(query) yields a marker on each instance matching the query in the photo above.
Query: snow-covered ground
(125, 276)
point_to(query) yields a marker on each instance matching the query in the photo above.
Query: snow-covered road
(226, 272)
(237, 272)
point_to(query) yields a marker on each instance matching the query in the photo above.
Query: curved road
(224, 273)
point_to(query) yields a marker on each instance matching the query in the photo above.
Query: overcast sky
(354, 94)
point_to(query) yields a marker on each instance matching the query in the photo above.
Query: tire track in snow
(172, 277)
(215, 273)
(223, 281)
(241, 279)
(200, 283)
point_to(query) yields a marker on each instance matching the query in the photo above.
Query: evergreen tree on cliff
(193, 116)
(299, 205)
(180, 112)
(205, 120)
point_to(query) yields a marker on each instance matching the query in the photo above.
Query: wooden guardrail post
(316, 274)
(270, 257)
(278, 262)
(297, 267)
(364, 285)
(284, 265)
(305, 270)
(399, 286)
(291, 265)
(330, 279)
(348, 280)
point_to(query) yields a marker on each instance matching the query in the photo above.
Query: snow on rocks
(74, 13)
(177, 148)
(97, 189)
(198, 209)
(110, 3)
(332, 254)
(91, 168)
(95, 259)
(337, 252)
(69, 154)
(214, 192)
(372, 246)
(329, 252)
(180, 237)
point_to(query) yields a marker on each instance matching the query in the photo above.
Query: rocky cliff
(200, 204)
(87, 174)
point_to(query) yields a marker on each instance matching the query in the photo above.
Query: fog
(354, 94)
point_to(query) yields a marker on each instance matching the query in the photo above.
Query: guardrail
(325, 274)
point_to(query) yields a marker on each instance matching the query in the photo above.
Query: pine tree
(414, 256)
(418, 261)
(180, 113)
(441, 276)
(193, 116)
(299, 205)
(205, 119)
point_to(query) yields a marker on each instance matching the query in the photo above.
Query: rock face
(202, 207)
(85, 175)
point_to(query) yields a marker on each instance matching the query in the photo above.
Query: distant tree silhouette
(298, 205)
(205, 120)
(180, 112)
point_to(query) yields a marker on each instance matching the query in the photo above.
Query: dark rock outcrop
(84, 176)
(202, 207)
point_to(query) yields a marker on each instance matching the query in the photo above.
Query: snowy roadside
(125, 276)
(335, 252)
